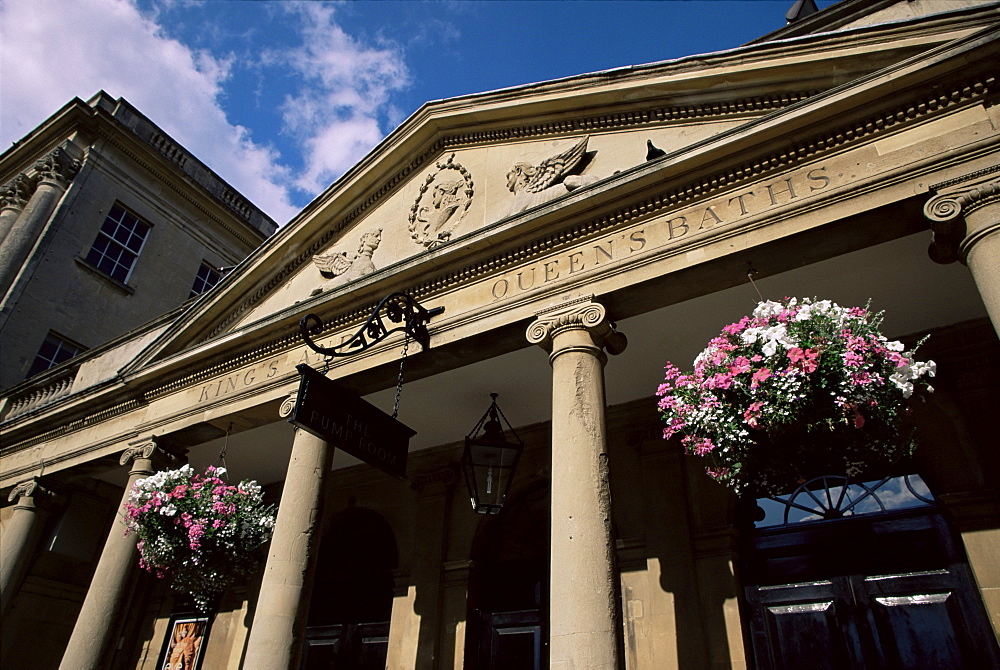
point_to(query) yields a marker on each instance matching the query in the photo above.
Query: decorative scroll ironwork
(396, 308)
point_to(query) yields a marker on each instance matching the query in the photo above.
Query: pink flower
(740, 365)
(738, 327)
(673, 427)
(759, 377)
(751, 412)
(719, 380)
(803, 359)
(717, 473)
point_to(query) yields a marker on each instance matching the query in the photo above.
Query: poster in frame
(184, 643)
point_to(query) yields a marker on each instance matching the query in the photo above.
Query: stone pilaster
(98, 621)
(54, 172)
(13, 197)
(20, 536)
(415, 636)
(279, 622)
(965, 218)
(584, 608)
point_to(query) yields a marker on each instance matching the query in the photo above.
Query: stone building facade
(106, 222)
(856, 159)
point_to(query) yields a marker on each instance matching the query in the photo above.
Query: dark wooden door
(890, 590)
(516, 641)
(361, 646)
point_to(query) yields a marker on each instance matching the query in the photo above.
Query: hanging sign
(347, 422)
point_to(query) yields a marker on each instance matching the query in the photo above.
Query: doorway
(841, 575)
(348, 625)
(511, 609)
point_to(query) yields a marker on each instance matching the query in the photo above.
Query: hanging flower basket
(198, 531)
(798, 389)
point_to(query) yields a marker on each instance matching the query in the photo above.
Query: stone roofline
(126, 118)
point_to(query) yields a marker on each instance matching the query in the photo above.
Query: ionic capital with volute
(956, 220)
(32, 489)
(582, 313)
(146, 449)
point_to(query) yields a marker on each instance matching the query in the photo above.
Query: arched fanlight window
(835, 497)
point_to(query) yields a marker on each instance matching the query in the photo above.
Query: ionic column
(279, 622)
(966, 226)
(20, 536)
(55, 171)
(13, 197)
(98, 619)
(583, 620)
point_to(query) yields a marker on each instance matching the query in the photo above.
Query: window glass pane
(206, 278)
(54, 350)
(117, 246)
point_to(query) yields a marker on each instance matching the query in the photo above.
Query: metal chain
(221, 461)
(399, 380)
(750, 275)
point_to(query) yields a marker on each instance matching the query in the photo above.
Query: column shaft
(25, 230)
(583, 631)
(583, 604)
(20, 537)
(98, 619)
(278, 629)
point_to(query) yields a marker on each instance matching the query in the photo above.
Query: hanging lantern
(489, 461)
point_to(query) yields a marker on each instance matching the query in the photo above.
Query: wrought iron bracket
(395, 308)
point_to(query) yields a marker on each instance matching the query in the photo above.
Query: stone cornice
(170, 181)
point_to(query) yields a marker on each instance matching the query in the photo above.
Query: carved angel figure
(534, 184)
(339, 270)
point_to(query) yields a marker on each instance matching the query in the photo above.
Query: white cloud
(346, 88)
(51, 51)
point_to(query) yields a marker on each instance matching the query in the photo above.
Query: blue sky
(281, 97)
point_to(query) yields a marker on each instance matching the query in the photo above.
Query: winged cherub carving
(534, 184)
(338, 270)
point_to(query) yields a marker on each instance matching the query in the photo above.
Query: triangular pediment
(463, 174)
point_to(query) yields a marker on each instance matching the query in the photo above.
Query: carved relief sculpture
(57, 166)
(15, 193)
(534, 184)
(339, 270)
(444, 200)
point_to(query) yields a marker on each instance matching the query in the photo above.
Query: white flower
(894, 345)
(768, 308)
(920, 368)
(168, 510)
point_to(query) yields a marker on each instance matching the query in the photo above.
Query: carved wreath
(439, 209)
